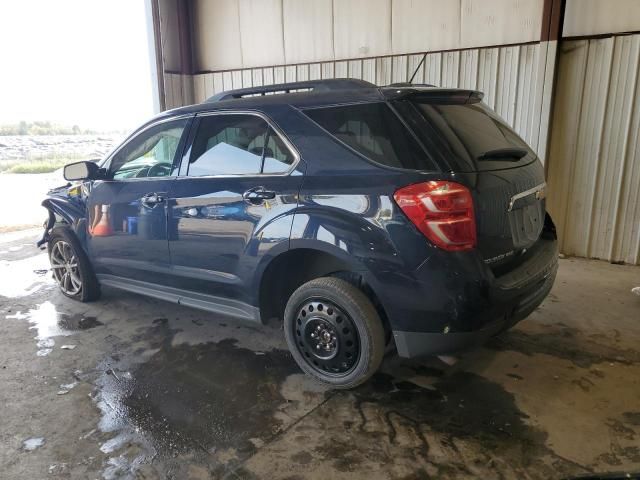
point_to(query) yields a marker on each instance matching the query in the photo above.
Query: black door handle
(150, 200)
(257, 195)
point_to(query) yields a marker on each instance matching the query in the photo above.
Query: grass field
(36, 165)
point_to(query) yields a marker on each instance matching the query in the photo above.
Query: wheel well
(293, 268)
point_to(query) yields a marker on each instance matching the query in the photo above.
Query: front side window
(150, 154)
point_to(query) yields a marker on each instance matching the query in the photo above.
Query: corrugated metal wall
(233, 34)
(594, 160)
(511, 77)
(178, 90)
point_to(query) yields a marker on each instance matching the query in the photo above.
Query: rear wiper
(508, 153)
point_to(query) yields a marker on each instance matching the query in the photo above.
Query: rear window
(467, 137)
(373, 130)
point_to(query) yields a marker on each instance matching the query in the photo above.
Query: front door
(229, 206)
(127, 224)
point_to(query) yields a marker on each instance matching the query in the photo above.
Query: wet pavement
(130, 387)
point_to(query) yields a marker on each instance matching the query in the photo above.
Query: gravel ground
(21, 147)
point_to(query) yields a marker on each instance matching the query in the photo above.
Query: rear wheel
(71, 268)
(334, 332)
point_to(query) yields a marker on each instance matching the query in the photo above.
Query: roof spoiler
(408, 84)
(315, 85)
(433, 95)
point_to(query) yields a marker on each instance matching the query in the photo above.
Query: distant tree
(42, 127)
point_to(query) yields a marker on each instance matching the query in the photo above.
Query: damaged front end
(66, 205)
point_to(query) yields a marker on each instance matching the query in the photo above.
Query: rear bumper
(505, 304)
(422, 344)
(419, 343)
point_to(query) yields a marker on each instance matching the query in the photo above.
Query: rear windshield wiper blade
(509, 153)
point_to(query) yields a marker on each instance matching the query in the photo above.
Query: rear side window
(240, 144)
(373, 130)
(228, 145)
(277, 156)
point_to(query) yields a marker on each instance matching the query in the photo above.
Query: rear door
(229, 206)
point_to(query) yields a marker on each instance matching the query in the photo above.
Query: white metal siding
(231, 34)
(425, 25)
(594, 161)
(216, 36)
(308, 30)
(510, 77)
(593, 17)
(261, 32)
(180, 89)
(361, 28)
(498, 22)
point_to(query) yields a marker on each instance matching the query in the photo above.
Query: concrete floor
(154, 390)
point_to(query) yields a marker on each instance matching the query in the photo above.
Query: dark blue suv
(363, 216)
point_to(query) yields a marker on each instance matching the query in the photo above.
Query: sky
(75, 62)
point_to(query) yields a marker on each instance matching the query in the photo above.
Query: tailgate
(510, 211)
(468, 139)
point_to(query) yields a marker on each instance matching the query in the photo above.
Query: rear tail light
(442, 211)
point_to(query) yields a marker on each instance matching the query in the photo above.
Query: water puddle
(213, 403)
(19, 278)
(216, 404)
(455, 424)
(49, 323)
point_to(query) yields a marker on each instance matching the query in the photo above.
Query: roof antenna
(424, 57)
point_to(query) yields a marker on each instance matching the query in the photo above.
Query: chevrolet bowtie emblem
(539, 191)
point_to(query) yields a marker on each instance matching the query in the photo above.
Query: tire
(334, 332)
(65, 250)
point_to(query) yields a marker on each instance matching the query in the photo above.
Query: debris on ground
(65, 388)
(68, 347)
(32, 443)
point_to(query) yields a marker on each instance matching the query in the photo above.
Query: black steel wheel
(334, 332)
(327, 337)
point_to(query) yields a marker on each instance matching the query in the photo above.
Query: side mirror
(81, 171)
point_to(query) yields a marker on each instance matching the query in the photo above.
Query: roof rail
(315, 85)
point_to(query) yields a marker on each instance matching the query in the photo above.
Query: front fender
(69, 211)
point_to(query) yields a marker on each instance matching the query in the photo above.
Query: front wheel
(334, 332)
(71, 268)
